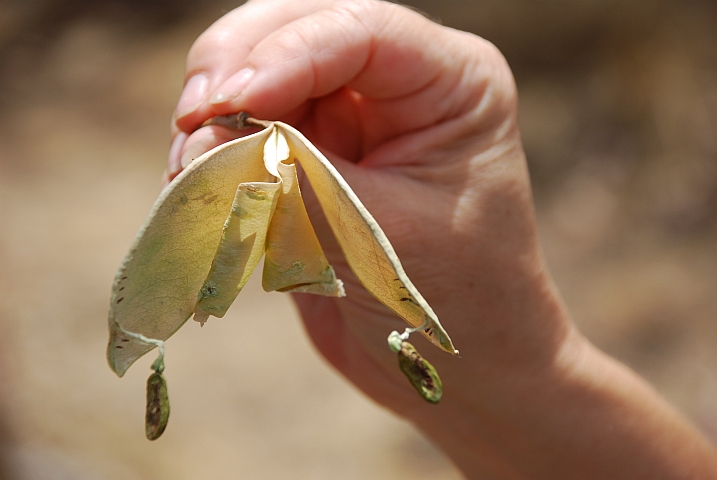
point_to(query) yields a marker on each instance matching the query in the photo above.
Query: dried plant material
(157, 286)
(291, 237)
(210, 227)
(240, 248)
(420, 373)
(365, 246)
(157, 414)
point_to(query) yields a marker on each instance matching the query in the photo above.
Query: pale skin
(421, 121)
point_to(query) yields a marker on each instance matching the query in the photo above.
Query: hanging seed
(420, 373)
(157, 406)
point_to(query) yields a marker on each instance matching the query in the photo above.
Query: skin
(421, 121)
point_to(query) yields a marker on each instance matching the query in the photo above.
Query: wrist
(581, 415)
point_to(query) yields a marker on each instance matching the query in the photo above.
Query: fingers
(220, 52)
(351, 73)
(379, 50)
(217, 55)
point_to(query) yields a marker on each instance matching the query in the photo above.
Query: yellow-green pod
(422, 375)
(157, 406)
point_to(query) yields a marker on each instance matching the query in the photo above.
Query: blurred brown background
(619, 119)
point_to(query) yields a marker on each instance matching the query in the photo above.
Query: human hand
(421, 121)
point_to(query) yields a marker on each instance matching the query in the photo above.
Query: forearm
(585, 416)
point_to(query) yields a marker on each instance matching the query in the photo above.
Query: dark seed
(157, 406)
(420, 373)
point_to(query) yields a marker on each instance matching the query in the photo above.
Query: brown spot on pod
(422, 375)
(157, 406)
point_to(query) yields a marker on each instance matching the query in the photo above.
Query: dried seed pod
(185, 234)
(420, 373)
(157, 406)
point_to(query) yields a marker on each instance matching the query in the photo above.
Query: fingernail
(194, 93)
(233, 86)
(174, 160)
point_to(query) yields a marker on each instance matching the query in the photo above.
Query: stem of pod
(236, 121)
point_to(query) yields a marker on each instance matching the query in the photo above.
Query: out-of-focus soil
(619, 119)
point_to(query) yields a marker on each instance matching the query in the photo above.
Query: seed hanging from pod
(157, 414)
(422, 375)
